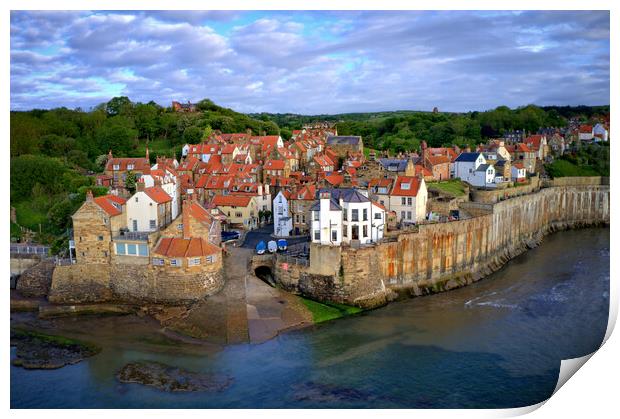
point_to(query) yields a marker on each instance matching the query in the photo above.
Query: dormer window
(116, 167)
(130, 167)
(405, 186)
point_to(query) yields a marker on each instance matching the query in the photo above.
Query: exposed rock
(40, 351)
(36, 281)
(169, 378)
(326, 393)
(51, 311)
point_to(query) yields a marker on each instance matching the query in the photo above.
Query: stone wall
(123, 282)
(495, 195)
(36, 280)
(443, 256)
(576, 181)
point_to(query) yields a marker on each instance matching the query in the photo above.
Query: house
(300, 202)
(600, 133)
(379, 189)
(585, 133)
(525, 155)
(538, 144)
(518, 173)
(95, 224)
(149, 209)
(473, 168)
(399, 167)
(439, 166)
(408, 199)
(343, 145)
(118, 168)
(502, 171)
(167, 179)
(241, 211)
(183, 107)
(346, 216)
(282, 220)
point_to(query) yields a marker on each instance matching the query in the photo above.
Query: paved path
(245, 310)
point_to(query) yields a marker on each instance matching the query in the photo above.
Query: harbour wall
(442, 256)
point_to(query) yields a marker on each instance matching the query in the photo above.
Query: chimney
(140, 185)
(89, 195)
(110, 154)
(185, 214)
(147, 154)
(157, 180)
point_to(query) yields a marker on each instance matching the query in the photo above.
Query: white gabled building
(408, 199)
(169, 183)
(282, 220)
(473, 169)
(346, 215)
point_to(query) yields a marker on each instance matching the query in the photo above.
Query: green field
(322, 312)
(453, 187)
(561, 168)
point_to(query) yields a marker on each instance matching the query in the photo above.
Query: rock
(327, 393)
(171, 379)
(36, 281)
(40, 351)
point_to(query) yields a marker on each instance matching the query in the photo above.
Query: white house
(408, 199)
(346, 215)
(169, 183)
(473, 169)
(518, 172)
(600, 133)
(149, 209)
(282, 220)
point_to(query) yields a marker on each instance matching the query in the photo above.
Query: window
(405, 186)
(344, 232)
(303, 218)
(355, 215)
(105, 253)
(280, 210)
(194, 261)
(136, 199)
(238, 214)
(130, 167)
(100, 238)
(403, 201)
(377, 215)
(409, 215)
(345, 215)
(131, 249)
(334, 235)
(120, 249)
(210, 258)
(143, 250)
(175, 262)
(158, 262)
(180, 227)
(409, 201)
(317, 234)
(364, 231)
(152, 224)
(116, 167)
(316, 215)
(402, 215)
(365, 215)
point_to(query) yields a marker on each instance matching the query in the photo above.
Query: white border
(592, 393)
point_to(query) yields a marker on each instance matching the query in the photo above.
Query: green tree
(192, 135)
(120, 105)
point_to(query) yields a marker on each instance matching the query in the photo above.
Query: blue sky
(311, 62)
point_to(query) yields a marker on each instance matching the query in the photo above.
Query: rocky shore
(171, 379)
(36, 350)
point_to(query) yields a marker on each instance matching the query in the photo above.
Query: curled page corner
(568, 368)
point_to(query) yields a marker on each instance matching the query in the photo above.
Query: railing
(133, 235)
(293, 260)
(29, 249)
(63, 261)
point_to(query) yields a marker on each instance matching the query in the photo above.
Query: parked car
(230, 235)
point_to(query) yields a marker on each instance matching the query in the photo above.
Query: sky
(311, 62)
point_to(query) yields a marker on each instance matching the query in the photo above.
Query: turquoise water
(497, 343)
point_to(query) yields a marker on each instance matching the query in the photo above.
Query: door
(355, 232)
(135, 225)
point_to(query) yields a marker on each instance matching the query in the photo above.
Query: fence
(63, 261)
(29, 249)
(294, 260)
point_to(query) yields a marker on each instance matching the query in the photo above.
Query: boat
(261, 247)
(272, 246)
(282, 244)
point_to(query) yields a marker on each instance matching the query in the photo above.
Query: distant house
(282, 220)
(518, 173)
(149, 209)
(600, 133)
(525, 155)
(183, 107)
(585, 133)
(241, 211)
(117, 168)
(399, 167)
(300, 202)
(473, 169)
(343, 145)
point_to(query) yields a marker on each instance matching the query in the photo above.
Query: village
(179, 219)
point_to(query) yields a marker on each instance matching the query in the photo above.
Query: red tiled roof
(518, 166)
(335, 179)
(385, 182)
(139, 164)
(522, 148)
(231, 200)
(421, 169)
(178, 247)
(585, 129)
(414, 186)
(157, 194)
(107, 202)
(274, 165)
(377, 204)
(307, 193)
(435, 160)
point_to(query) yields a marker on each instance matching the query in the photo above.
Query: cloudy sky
(311, 62)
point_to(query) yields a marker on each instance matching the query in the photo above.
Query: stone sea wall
(134, 283)
(444, 256)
